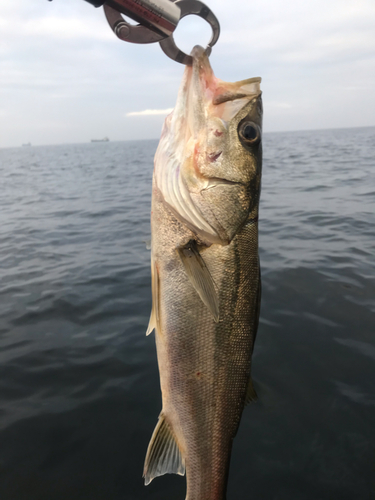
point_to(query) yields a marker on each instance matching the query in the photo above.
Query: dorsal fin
(163, 454)
(200, 276)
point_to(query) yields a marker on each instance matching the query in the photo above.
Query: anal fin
(154, 317)
(200, 277)
(251, 395)
(151, 323)
(163, 454)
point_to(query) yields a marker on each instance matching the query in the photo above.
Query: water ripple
(79, 389)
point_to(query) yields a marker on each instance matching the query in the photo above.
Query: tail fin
(163, 454)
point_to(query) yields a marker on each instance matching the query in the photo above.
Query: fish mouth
(213, 89)
(207, 96)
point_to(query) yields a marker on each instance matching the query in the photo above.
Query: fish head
(208, 164)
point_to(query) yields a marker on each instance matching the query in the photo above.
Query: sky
(66, 78)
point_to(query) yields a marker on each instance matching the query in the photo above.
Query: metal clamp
(130, 32)
(158, 20)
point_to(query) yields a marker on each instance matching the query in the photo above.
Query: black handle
(96, 3)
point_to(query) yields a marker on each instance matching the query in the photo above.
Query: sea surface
(79, 386)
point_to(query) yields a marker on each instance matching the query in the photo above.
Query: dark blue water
(79, 389)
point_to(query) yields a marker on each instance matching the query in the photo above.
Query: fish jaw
(200, 148)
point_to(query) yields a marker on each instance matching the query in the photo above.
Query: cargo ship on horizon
(105, 139)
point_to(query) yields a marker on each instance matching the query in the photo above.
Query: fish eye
(249, 132)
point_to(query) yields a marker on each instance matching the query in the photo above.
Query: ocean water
(79, 388)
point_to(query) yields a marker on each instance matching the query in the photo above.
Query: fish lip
(202, 73)
(217, 181)
(227, 96)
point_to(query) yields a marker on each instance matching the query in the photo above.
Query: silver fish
(205, 275)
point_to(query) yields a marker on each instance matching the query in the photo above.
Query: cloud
(65, 77)
(283, 105)
(65, 28)
(150, 112)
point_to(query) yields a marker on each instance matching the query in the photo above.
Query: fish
(205, 270)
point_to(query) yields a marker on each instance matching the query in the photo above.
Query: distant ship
(28, 144)
(100, 140)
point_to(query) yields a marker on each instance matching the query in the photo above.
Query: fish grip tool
(157, 20)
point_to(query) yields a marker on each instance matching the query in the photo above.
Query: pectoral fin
(163, 455)
(200, 277)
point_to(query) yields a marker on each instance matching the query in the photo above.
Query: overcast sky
(65, 77)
